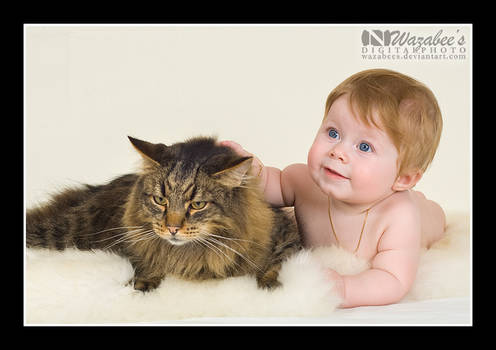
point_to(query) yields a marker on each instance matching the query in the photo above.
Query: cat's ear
(151, 152)
(235, 173)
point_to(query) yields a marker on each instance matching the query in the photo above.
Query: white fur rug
(76, 287)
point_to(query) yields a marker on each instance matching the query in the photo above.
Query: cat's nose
(173, 229)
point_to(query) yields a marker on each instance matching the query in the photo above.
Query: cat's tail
(50, 225)
(45, 231)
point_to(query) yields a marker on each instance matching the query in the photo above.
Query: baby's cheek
(313, 164)
(362, 177)
(370, 183)
(311, 158)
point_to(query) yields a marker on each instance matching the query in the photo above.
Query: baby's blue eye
(333, 134)
(364, 147)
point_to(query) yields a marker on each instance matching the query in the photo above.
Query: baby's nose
(339, 154)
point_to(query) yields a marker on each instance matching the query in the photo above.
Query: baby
(379, 134)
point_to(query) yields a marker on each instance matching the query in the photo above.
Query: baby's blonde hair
(407, 110)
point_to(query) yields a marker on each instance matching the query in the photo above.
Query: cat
(192, 211)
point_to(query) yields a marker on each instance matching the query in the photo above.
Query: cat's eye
(198, 205)
(160, 200)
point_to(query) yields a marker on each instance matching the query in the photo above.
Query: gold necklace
(334, 231)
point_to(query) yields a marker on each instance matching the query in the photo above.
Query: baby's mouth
(334, 174)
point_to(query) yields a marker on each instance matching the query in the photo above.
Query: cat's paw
(145, 285)
(269, 279)
(268, 283)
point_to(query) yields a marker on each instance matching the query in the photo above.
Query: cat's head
(192, 190)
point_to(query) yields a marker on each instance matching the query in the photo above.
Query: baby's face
(350, 161)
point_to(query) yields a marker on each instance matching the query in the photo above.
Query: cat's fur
(193, 212)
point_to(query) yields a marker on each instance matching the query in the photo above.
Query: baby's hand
(257, 166)
(236, 147)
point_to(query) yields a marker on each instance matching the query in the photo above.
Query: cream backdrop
(264, 86)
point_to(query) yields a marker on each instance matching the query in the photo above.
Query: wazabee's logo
(403, 45)
(376, 37)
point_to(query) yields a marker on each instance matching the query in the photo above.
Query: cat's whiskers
(238, 239)
(127, 237)
(215, 249)
(212, 247)
(145, 236)
(119, 234)
(215, 241)
(249, 187)
(110, 229)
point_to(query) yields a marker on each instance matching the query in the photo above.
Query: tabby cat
(192, 211)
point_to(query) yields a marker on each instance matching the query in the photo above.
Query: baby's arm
(393, 269)
(272, 180)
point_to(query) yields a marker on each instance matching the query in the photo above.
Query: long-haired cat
(192, 211)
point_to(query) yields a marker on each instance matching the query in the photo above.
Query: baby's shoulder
(400, 214)
(298, 176)
(296, 169)
(399, 203)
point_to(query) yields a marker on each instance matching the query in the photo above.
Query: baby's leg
(433, 219)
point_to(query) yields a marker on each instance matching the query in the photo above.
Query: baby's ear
(151, 152)
(235, 173)
(407, 180)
